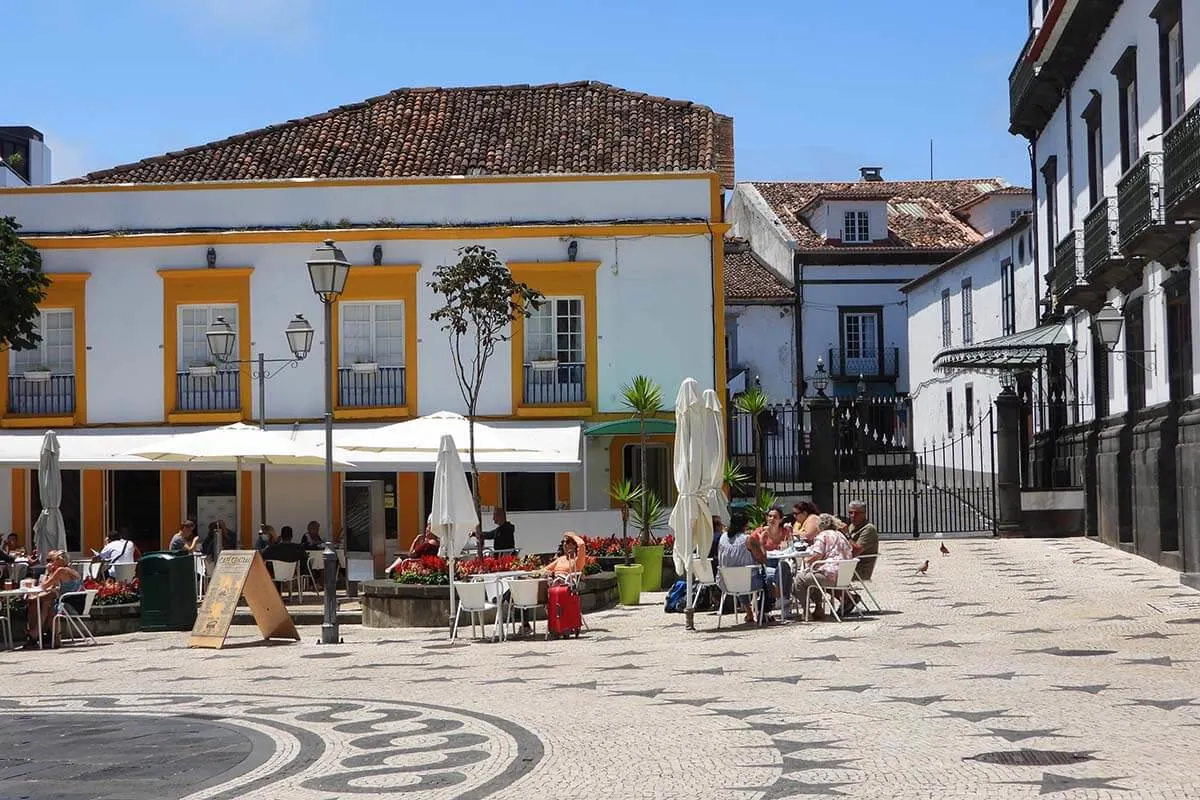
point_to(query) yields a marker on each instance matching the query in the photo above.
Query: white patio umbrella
(452, 511)
(424, 434)
(50, 532)
(690, 519)
(240, 445)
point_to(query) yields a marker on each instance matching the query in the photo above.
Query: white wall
(447, 202)
(39, 163)
(753, 220)
(8, 177)
(763, 337)
(994, 214)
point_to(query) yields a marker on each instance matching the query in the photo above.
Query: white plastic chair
(523, 597)
(124, 572)
(472, 598)
(286, 572)
(834, 592)
(8, 640)
(859, 586)
(76, 622)
(738, 582)
(702, 578)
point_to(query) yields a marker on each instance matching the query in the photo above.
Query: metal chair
(833, 593)
(739, 582)
(523, 597)
(859, 585)
(76, 621)
(472, 598)
(702, 579)
(286, 572)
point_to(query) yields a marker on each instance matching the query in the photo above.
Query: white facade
(939, 399)
(762, 342)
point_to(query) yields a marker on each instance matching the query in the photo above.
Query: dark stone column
(1114, 482)
(822, 452)
(1187, 475)
(1091, 450)
(1011, 521)
(1155, 531)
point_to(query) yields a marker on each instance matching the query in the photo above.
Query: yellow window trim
(66, 290)
(557, 279)
(388, 283)
(203, 286)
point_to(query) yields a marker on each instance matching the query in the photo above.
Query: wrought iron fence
(875, 363)
(384, 387)
(219, 391)
(53, 395)
(556, 383)
(1181, 151)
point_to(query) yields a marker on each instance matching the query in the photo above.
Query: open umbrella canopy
(238, 444)
(424, 434)
(50, 532)
(690, 519)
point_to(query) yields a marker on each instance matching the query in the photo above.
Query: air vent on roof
(871, 173)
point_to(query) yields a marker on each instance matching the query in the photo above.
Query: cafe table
(32, 591)
(795, 556)
(497, 585)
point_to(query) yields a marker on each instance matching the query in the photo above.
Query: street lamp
(222, 338)
(328, 270)
(862, 385)
(820, 379)
(1108, 323)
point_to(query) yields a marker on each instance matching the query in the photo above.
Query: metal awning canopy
(1021, 350)
(631, 427)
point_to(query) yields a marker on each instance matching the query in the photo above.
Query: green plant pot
(651, 558)
(629, 584)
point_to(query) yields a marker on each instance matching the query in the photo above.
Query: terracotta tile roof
(920, 213)
(747, 277)
(585, 127)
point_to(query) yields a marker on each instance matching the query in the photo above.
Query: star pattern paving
(1009, 735)
(1095, 688)
(1051, 783)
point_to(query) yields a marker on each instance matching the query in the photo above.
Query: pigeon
(921, 570)
(945, 550)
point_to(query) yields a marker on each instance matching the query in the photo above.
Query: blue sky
(816, 88)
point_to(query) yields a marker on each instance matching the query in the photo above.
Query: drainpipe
(797, 327)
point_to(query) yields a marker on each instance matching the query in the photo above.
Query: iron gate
(945, 486)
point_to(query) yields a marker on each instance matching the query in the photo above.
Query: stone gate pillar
(1010, 520)
(822, 452)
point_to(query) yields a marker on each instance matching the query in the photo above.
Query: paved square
(1013, 669)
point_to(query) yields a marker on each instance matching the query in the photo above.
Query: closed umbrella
(713, 428)
(452, 510)
(50, 533)
(690, 519)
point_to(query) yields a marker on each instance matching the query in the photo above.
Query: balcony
(219, 391)
(1031, 100)
(52, 397)
(559, 384)
(381, 388)
(882, 363)
(1067, 281)
(1181, 166)
(1103, 262)
(1145, 233)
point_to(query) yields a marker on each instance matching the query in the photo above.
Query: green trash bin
(168, 591)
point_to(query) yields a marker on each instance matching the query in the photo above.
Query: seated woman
(806, 526)
(425, 544)
(736, 548)
(59, 580)
(831, 547)
(572, 560)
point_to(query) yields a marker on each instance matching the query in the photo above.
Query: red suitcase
(562, 612)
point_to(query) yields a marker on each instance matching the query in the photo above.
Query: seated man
(830, 547)
(503, 536)
(118, 550)
(285, 549)
(864, 540)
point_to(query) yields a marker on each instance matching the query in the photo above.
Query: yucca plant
(649, 513)
(733, 477)
(754, 402)
(625, 493)
(644, 398)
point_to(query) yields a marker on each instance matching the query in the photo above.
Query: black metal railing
(199, 391)
(561, 383)
(55, 395)
(1068, 263)
(783, 449)
(1139, 198)
(381, 388)
(881, 362)
(1181, 163)
(1100, 239)
(1058, 459)
(1020, 78)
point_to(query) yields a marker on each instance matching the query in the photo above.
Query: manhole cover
(1031, 758)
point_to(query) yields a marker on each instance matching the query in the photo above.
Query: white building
(24, 157)
(1106, 93)
(625, 241)
(847, 248)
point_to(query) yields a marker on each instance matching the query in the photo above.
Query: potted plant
(203, 370)
(37, 374)
(364, 367)
(629, 575)
(754, 403)
(544, 361)
(643, 397)
(649, 514)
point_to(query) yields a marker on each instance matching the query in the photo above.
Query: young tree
(22, 286)
(644, 398)
(754, 403)
(481, 302)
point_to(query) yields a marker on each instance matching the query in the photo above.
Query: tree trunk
(475, 482)
(757, 458)
(645, 482)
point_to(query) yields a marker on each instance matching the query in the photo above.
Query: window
(1179, 336)
(860, 342)
(554, 352)
(529, 491)
(194, 322)
(1127, 106)
(1135, 343)
(372, 333)
(949, 411)
(968, 312)
(1008, 301)
(857, 227)
(945, 317)
(1100, 382)
(1170, 60)
(56, 351)
(1095, 149)
(1015, 214)
(1050, 185)
(660, 479)
(969, 408)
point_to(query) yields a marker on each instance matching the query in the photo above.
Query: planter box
(365, 368)
(387, 604)
(544, 364)
(203, 371)
(36, 375)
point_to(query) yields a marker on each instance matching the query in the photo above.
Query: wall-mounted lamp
(1108, 324)
(862, 385)
(211, 257)
(377, 255)
(820, 378)
(572, 250)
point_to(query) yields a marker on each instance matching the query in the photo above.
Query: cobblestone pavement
(1012, 669)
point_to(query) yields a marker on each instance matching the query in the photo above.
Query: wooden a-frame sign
(241, 573)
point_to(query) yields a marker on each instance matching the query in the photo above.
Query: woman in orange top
(573, 558)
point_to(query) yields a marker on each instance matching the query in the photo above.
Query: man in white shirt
(119, 550)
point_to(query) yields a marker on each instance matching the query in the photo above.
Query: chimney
(871, 174)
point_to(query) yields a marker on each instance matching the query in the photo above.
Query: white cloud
(277, 19)
(68, 159)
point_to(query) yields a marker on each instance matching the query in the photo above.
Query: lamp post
(221, 339)
(328, 270)
(821, 444)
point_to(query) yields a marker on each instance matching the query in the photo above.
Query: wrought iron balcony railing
(1101, 246)
(382, 387)
(878, 363)
(1181, 164)
(555, 383)
(219, 391)
(51, 396)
